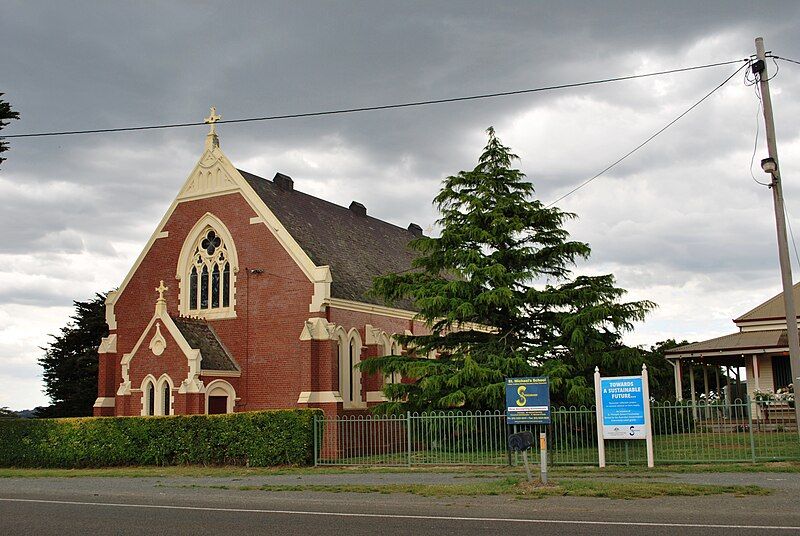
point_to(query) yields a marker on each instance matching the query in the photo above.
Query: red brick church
(252, 295)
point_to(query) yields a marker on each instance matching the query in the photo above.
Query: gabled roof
(772, 309)
(742, 342)
(357, 247)
(201, 336)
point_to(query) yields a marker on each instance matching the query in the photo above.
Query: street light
(769, 165)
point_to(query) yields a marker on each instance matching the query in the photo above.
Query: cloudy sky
(681, 222)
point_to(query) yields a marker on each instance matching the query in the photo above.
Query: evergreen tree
(497, 293)
(6, 113)
(70, 361)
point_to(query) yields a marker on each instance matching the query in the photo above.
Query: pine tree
(497, 293)
(70, 361)
(6, 113)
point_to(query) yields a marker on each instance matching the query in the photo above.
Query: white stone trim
(145, 401)
(111, 319)
(320, 397)
(376, 396)
(158, 343)
(256, 219)
(225, 387)
(162, 234)
(360, 307)
(317, 329)
(192, 383)
(221, 373)
(184, 262)
(108, 345)
(165, 379)
(222, 178)
(344, 342)
(105, 402)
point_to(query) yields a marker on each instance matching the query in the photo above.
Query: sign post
(623, 411)
(528, 402)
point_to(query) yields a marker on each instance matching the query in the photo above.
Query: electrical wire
(651, 138)
(784, 59)
(375, 108)
(791, 232)
(758, 128)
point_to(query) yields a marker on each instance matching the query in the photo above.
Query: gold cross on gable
(161, 289)
(213, 118)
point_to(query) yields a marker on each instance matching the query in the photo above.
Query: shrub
(260, 438)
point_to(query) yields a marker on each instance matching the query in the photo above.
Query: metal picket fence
(683, 432)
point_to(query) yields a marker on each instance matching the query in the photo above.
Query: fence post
(316, 450)
(408, 436)
(750, 429)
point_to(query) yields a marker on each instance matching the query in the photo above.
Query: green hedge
(260, 438)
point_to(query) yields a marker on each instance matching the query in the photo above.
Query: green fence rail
(683, 432)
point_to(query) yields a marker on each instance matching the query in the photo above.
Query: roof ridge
(331, 203)
(777, 297)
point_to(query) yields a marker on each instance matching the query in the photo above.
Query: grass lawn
(519, 488)
(580, 472)
(671, 448)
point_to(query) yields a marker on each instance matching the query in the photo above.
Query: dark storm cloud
(683, 212)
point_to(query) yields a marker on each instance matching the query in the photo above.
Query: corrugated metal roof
(772, 308)
(741, 341)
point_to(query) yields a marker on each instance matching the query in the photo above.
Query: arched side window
(207, 271)
(151, 399)
(394, 349)
(149, 396)
(349, 374)
(164, 394)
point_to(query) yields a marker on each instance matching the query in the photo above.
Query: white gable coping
(215, 175)
(192, 383)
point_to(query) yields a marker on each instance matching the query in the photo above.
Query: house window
(781, 371)
(209, 275)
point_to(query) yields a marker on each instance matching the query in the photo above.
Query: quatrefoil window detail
(211, 242)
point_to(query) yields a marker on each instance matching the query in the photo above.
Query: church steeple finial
(212, 140)
(161, 302)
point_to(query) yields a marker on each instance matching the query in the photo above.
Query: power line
(784, 59)
(380, 107)
(648, 140)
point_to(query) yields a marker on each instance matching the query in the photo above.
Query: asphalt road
(165, 506)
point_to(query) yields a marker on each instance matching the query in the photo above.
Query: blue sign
(623, 407)
(528, 400)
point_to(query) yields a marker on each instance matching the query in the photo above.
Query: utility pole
(770, 165)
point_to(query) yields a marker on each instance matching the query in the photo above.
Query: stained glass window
(210, 280)
(193, 288)
(204, 288)
(226, 286)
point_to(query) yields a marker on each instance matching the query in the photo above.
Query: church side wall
(359, 320)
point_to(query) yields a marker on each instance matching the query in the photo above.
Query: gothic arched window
(209, 275)
(150, 394)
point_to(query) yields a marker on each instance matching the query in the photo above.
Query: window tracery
(210, 275)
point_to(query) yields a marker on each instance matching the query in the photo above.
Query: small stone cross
(161, 289)
(213, 118)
